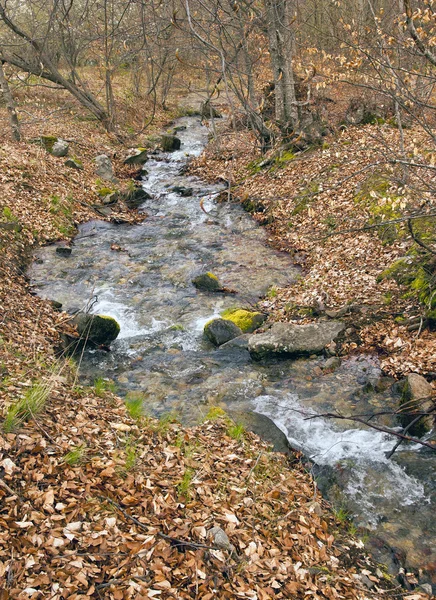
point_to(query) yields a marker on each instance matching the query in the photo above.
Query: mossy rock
(247, 320)
(207, 282)
(96, 329)
(48, 141)
(74, 163)
(220, 331)
(170, 143)
(139, 158)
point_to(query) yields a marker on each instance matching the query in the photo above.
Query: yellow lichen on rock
(247, 320)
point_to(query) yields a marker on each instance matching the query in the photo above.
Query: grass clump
(30, 405)
(184, 488)
(76, 455)
(236, 431)
(165, 422)
(215, 413)
(102, 385)
(134, 405)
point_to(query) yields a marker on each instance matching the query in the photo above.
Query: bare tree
(10, 105)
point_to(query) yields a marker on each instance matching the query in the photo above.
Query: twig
(5, 486)
(417, 239)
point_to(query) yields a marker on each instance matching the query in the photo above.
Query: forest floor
(96, 502)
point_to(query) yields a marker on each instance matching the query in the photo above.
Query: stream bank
(162, 357)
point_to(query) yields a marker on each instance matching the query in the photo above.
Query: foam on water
(129, 328)
(353, 449)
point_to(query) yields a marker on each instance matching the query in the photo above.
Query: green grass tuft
(76, 455)
(30, 405)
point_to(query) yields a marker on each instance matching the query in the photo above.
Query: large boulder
(247, 320)
(416, 396)
(170, 143)
(60, 148)
(287, 340)
(220, 331)
(104, 168)
(99, 330)
(207, 282)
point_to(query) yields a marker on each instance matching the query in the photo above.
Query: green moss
(254, 166)
(282, 158)
(248, 321)
(105, 191)
(207, 282)
(48, 141)
(305, 197)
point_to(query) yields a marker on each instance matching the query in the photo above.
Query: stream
(162, 357)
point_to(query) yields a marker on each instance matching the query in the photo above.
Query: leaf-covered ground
(314, 205)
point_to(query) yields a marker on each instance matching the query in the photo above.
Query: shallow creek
(162, 355)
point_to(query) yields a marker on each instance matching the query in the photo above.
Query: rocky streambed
(142, 276)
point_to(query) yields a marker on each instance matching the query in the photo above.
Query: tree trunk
(282, 46)
(10, 105)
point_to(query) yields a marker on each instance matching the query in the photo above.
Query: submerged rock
(96, 329)
(185, 192)
(170, 143)
(286, 340)
(332, 363)
(247, 320)
(207, 282)
(63, 250)
(220, 331)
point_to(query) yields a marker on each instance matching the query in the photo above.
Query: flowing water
(162, 356)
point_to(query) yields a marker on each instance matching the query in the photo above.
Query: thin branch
(417, 239)
(407, 438)
(381, 224)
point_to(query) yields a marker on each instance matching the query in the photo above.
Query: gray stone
(104, 168)
(111, 198)
(96, 329)
(73, 164)
(138, 158)
(332, 363)
(60, 148)
(285, 339)
(418, 387)
(238, 342)
(170, 143)
(416, 397)
(426, 588)
(207, 282)
(63, 250)
(220, 331)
